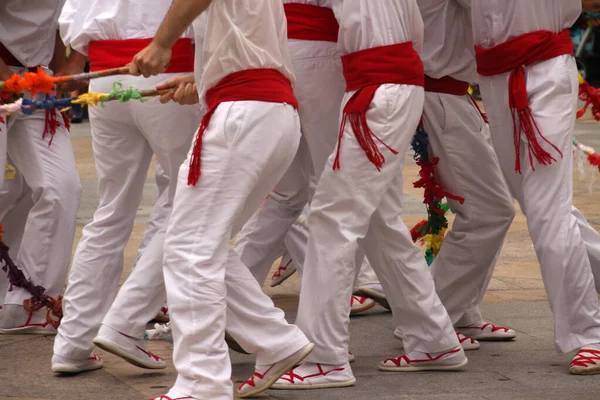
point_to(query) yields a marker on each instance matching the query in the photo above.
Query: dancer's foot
(285, 270)
(451, 360)
(359, 304)
(266, 375)
(374, 291)
(130, 349)
(72, 366)
(487, 332)
(316, 376)
(15, 320)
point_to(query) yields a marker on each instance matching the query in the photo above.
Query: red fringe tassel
(519, 106)
(50, 125)
(591, 96)
(364, 135)
(195, 160)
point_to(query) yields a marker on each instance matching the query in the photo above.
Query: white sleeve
(71, 25)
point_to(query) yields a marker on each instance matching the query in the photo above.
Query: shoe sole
(454, 367)
(362, 309)
(119, 352)
(587, 371)
(283, 370)
(234, 345)
(493, 338)
(331, 385)
(282, 279)
(28, 331)
(69, 370)
(162, 319)
(372, 294)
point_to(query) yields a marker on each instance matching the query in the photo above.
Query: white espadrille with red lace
(451, 360)
(360, 304)
(284, 271)
(488, 332)
(374, 291)
(173, 395)
(71, 366)
(467, 343)
(16, 320)
(586, 361)
(130, 349)
(266, 375)
(316, 376)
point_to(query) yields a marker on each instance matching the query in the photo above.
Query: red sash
(513, 56)
(365, 71)
(308, 22)
(107, 54)
(267, 85)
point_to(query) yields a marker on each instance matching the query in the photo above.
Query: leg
(122, 159)
(259, 241)
(591, 239)
(545, 195)
(467, 168)
(51, 173)
(204, 219)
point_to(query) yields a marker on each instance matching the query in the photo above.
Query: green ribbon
(124, 95)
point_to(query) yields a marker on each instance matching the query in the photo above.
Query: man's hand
(186, 92)
(5, 72)
(153, 60)
(590, 5)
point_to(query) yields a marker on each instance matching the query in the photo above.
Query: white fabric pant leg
(122, 157)
(546, 194)
(334, 234)
(51, 173)
(591, 240)
(143, 293)
(159, 213)
(124, 138)
(261, 238)
(468, 167)
(246, 149)
(319, 88)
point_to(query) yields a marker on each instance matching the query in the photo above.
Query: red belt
(365, 71)
(513, 56)
(309, 22)
(9, 59)
(107, 54)
(449, 85)
(267, 85)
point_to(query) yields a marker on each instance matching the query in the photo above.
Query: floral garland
(430, 233)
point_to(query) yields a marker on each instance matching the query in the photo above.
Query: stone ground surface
(527, 368)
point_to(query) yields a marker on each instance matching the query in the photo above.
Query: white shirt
(496, 21)
(28, 29)
(242, 35)
(366, 24)
(448, 47)
(83, 21)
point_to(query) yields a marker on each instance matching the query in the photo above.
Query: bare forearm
(180, 16)
(60, 54)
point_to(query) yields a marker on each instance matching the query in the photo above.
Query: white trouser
(246, 149)
(49, 229)
(546, 194)
(319, 88)
(160, 211)
(468, 167)
(124, 137)
(358, 207)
